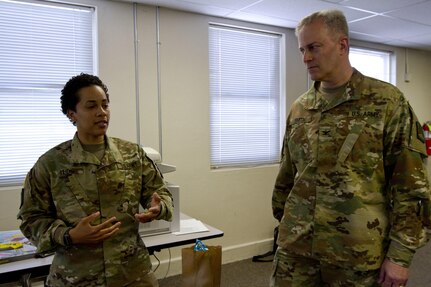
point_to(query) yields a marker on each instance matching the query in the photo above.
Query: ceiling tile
(418, 13)
(228, 4)
(364, 37)
(334, 1)
(256, 18)
(187, 6)
(387, 27)
(295, 10)
(380, 6)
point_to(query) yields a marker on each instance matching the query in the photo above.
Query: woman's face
(92, 115)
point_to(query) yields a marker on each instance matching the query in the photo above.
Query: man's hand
(393, 275)
(85, 233)
(152, 212)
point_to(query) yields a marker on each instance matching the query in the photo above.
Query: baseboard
(233, 253)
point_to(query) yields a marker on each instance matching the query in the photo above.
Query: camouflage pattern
(290, 270)
(67, 184)
(352, 186)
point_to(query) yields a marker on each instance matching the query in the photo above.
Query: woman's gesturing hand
(86, 233)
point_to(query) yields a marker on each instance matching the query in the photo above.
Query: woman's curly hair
(69, 94)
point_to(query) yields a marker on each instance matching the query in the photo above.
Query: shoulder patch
(419, 132)
(416, 137)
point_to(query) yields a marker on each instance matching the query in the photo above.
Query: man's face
(92, 115)
(320, 51)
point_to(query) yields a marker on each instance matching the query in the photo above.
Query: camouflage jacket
(352, 187)
(67, 184)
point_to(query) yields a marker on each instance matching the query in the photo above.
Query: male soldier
(81, 199)
(352, 194)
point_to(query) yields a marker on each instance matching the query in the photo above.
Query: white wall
(237, 201)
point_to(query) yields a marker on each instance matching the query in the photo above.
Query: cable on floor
(169, 264)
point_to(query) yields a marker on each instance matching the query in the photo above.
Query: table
(168, 240)
(20, 271)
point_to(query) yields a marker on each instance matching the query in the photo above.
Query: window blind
(245, 92)
(42, 45)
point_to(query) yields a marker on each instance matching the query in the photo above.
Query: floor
(246, 273)
(243, 273)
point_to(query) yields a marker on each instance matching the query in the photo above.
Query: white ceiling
(404, 23)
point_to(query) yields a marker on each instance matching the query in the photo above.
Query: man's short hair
(334, 20)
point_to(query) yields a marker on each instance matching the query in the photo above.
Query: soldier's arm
(37, 211)
(153, 182)
(408, 185)
(283, 182)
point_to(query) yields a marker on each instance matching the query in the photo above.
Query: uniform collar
(79, 155)
(311, 101)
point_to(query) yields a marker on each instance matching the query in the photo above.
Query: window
(245, 90)
(373, 63)
(42, 45)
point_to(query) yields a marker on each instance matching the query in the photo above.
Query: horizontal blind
(245, 97)
(42, 45)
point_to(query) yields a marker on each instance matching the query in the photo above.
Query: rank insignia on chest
(325, 133)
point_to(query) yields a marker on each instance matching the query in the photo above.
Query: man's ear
(344, 45)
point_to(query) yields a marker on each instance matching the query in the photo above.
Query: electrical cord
(158, 263)
(169, 264)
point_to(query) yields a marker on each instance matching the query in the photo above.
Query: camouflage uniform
(352, 187)
(67, 184)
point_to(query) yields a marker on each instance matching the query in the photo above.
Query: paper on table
(14, 246)
(190, 226)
